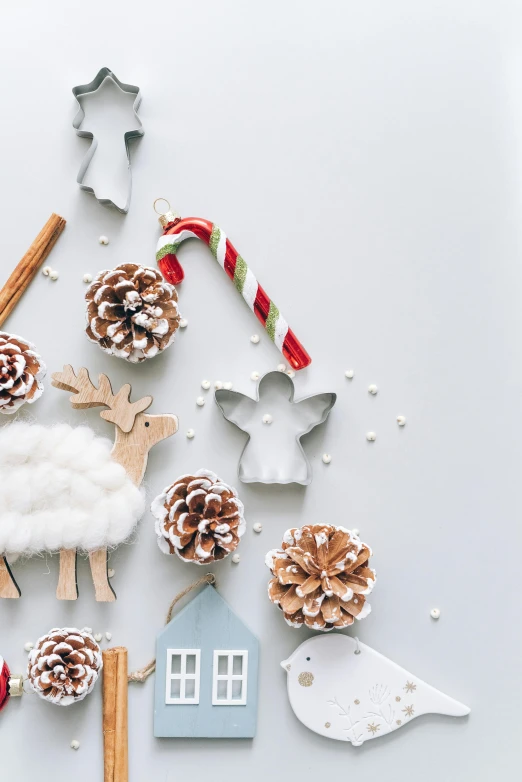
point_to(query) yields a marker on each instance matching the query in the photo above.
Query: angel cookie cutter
(275, 424)
(136, 132)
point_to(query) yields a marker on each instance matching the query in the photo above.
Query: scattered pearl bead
(281, 367)
(75, 744)
(200, 401)
(290, 373)
(205, 384)
(371, 436)
(257, 526)
(103, 240)
(254, 338)
(98, 637)
(372, 389)
(28, 646)
(401, 420)
(108, 636)
(228, 385)
(254, 376)
(218, 384)
(54, 275)
(349, 374)
(435, 613)
(87, 277)
(111, 572)
(327, 458)
(236, 559)
(46, 271)
(267, 418)
(190, 433)
(87, 630)
(183, 323)
(355, 532)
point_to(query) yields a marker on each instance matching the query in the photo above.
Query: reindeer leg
(102, 587)
(8, 586)
(67, 588)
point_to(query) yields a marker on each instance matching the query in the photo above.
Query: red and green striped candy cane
(176, 230)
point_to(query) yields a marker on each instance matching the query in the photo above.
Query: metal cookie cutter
(275, 424)
(84, 89)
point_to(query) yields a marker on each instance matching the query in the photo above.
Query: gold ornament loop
(166, 210)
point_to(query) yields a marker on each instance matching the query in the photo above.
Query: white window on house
(229, 678)
(183, 673)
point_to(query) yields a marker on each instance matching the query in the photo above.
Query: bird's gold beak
(285, 664)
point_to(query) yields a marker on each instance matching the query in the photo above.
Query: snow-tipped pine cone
(199, 517)
(321, 577)
(132, 312)
(21, 373)
(64, 665)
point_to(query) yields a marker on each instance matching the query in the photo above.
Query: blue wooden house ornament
(206, 673)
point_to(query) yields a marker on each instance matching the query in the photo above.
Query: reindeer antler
(122, 411)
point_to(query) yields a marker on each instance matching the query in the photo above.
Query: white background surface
(365, 159)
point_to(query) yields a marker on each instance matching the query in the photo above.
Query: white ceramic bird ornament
(345, 690)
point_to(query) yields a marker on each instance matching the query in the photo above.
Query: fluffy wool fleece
(60, 488)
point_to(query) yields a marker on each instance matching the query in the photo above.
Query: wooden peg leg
(67, 588)
(102, 587)
(8, 586)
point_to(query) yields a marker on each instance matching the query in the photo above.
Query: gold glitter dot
(327, 724)
(289, 666)
(397, 698)
(305, 679)
(399, 722)
(357, 701)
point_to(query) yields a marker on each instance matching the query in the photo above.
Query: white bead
(108, 636)
(372, 389)
(111, 572)
(75, 744)
(355, 532)
(254, 338)
(190, 433)
(327, 458)
(103, 240)
(236, 558)
(54, 275)
(254, 376)
(218, 384)
(183, 323)
(401, 420)
(98, 637)
(46, 271)
(281, 367)
(205, 384)
(87, 277)
(371, 436)
(28, 646)
(257, 526)
(228, 385)
(435, 613)
(290, 373)
(349, 374)
(200, 401)
(267, 418)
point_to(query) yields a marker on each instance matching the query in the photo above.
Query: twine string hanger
(142, 674)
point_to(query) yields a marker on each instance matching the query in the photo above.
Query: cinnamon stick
(28, 266)
(115, 729)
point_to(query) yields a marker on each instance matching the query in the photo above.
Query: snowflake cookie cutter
(275, 424)
(93, 86)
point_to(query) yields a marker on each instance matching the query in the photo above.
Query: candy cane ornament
(11, 685)
(177, 230)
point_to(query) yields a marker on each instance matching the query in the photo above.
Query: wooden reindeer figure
(84, 472)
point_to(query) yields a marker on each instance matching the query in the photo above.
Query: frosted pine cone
(64, 665)
(21, 373)
(199, 518)
(132, 312)
(321, 577)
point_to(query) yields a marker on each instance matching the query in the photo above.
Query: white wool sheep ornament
(64, 489)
